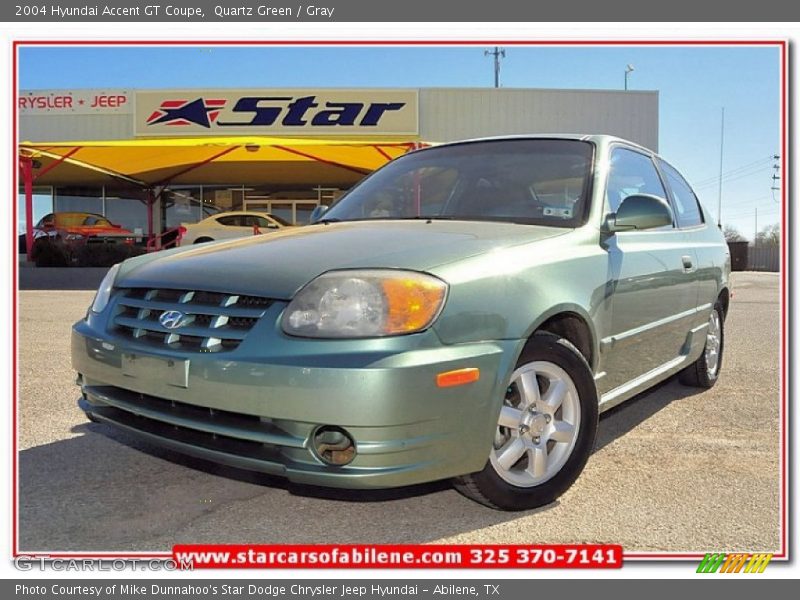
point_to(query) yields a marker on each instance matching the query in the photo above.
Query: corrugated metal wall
(73, 128)
(764, 258)
(451, 114)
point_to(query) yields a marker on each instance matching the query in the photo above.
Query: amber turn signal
(458, 377)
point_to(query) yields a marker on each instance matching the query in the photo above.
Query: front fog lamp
(365, 303)
(104, 291)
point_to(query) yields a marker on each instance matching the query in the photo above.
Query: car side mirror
(317, 213)
(638, 212)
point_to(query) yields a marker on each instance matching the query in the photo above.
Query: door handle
(687, 263)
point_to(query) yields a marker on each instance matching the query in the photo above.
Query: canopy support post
(27, 178)
(417, 193)
(150, 201)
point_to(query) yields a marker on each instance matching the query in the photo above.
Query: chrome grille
(213, 322)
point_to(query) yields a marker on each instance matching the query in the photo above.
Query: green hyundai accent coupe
(464, 312)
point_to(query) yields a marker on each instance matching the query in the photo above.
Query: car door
(651, 284)
(708, 260)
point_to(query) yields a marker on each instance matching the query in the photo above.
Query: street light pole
(628, 70)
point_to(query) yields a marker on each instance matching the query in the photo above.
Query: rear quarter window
(687, 207)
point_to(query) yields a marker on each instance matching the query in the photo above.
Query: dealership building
(152, 159)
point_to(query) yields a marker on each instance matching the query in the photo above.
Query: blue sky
(694, 84)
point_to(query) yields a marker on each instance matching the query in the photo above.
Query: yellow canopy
(229, 160)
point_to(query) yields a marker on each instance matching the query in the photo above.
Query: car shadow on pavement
(104, 490)
(61, 278)
(621, 419)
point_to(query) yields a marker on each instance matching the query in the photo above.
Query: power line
(749, 211)
(712, 180)
(735, 176)
(747, 201)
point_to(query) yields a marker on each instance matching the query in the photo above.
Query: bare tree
(770, 235)
(732, 234)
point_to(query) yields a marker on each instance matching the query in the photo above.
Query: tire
(47, 254)
(704, 372)
(203, 240)
(552, 367)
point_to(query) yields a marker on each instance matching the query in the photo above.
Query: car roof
(599, 139)
(76, 212)
(229, 213)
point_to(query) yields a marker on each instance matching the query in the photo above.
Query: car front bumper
(260, 413)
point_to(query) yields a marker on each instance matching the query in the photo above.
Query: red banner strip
(390, 556)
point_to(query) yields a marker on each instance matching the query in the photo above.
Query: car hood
(278, 264)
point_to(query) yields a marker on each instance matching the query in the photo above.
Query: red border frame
(784, 392)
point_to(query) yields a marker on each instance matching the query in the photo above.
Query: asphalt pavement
(675, 469)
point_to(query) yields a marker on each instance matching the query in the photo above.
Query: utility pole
(721, 146)
(776, 179)
(498, 53)
(755, 232)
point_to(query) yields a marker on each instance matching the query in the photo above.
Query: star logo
(184, 112)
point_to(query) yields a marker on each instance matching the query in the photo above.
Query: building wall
(630, 115)
(74, 128)
(445, 114)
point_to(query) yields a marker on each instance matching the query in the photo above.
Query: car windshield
(533, 181)
(81, 220)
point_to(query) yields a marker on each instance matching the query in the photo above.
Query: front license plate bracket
(167, 370)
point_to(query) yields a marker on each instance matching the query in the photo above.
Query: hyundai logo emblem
(172, 319)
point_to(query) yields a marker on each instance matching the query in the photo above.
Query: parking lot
(675, 469)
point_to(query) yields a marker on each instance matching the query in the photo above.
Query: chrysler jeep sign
(276, 112)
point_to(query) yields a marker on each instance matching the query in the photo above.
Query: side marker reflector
(458, 377)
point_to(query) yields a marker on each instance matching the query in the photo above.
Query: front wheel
(545, 431)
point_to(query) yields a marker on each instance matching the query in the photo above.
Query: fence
(764, 257)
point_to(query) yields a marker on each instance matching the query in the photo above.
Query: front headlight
(104, 291)
(365, 303)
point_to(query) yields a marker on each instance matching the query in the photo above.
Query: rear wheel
(704, 372)
(545, 431)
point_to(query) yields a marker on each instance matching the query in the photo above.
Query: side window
(230, 221)
(631, 173)
(264, 223)
(687, 208)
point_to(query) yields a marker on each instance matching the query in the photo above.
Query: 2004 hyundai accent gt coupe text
(466, 311)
